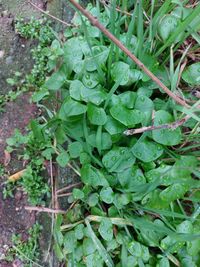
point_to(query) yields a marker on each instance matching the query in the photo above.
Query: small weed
(31, 149)
(8, 190)
(27, 251)
(41, 31)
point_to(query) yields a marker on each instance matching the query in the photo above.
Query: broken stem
(171, 126)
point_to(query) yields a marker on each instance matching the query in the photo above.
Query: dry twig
(171, 126)
(68, 187)
(43, 209)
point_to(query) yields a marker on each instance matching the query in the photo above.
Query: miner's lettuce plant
(139, 201)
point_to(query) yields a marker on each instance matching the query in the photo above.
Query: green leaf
(113, 127)
(71, 108)
(131, 178)
(58, 252)
(78, 194)
(121, 72)
(191, 74)
(81, 93)
(106, 229)
(135, 249)
(92, 176)
(167, 26)
(56, 81)
(106, 141)
(100, 55)
(94, 260)
(118, 159)
(173, 192)
(107, 195)
(96, 116)
(128, 99)
(164, 262)
(75, 149)
(78, 231)
(90, 79)
(70, 242)
(88, 246)
(147, 151)
(93, 199)
(145, 105)
(39, 95)
(185, 227)
(73, 52)
(168, 137)
(126, 116)
(63, 158)
(98, 245)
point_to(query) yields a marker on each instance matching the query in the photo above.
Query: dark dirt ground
(13, 218)
(14, 56)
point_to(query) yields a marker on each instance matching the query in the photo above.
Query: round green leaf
(88, 246)
(78, 231)
(167, 26)
(69, 242)
(168, 137)
(93, 199)
(71, 108)
(191, 74)
(81, 93)
(185, 227)
(100, 55)
(91, 79)
(106, 229)
(131, 178)
(147, 151)
(92, 176)
(118, 159)
(120, 72)
(107, 195)
(173, 192)
(96, 115)
(113, 127)
(78, 194)
(126, 116)
(75, 149)
(128, 99)
(106, 141)
(63, 159)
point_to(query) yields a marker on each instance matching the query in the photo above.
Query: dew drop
(89, 83)
(142, 98)
(122, 151)
(139, 178)
(138, 154)
(114, 158)
(87, 76)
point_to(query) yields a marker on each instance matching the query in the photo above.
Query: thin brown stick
(43, 209)
(65, 195)
(171, 126)
(94, 21)
(51, 16)
(68, 187)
